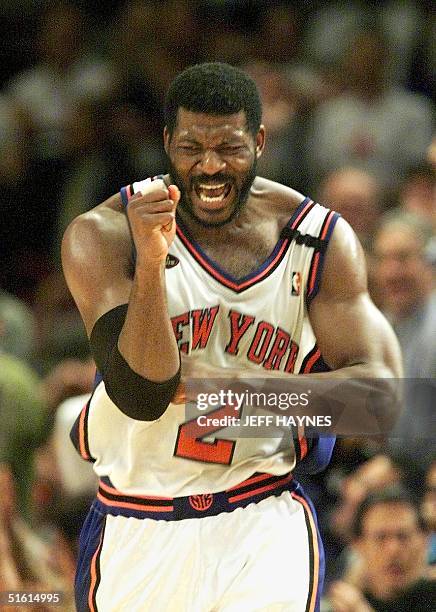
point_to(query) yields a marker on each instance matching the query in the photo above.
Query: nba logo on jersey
(296, 283)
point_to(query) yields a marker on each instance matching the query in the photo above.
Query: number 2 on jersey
(189, 443)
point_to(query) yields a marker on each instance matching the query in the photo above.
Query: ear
(166, 139)
(260, 141)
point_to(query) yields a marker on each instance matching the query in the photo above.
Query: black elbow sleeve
(138, 397)
(135, 396)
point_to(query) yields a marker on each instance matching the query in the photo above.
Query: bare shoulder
(95, 228)
(281, 198)
(97, 259)
(96, 234)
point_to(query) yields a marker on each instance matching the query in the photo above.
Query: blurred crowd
(348, 96)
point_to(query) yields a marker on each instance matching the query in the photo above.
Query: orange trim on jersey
(254, 492)
(302, 441)
(303, 447)
(314, 272)
(116, 492)
(93, 572)
(297, 220)
(82, 436)
(250, 480)
(314, 537)
(327, 225)
(311, 361)
(132, 506)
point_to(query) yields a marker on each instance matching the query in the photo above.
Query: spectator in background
(290, 89)
(24, 427)
(373, 125)
(65, 72)
(109, 143)
(404, 278)
(280, 103)
(60, 332)
(46, 95)
(332, 25)
(417, 193)
(66, 483)
(406, 287)
(150, 43)
(29, 560)
(359, 469)
(356, 195)
(391, 542)
(13, 167)
(27, 405)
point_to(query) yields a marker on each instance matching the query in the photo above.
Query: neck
(211, 234)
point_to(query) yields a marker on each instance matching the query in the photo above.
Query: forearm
(147, 340)
(362, 399)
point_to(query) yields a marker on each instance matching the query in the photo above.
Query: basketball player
(223, 268)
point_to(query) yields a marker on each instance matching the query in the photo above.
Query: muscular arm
(354, 337)
(97, 260)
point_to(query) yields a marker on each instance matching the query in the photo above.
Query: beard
(240, 200)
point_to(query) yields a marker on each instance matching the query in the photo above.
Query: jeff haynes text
(261, 420)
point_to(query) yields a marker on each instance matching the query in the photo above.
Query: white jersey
(258, 323)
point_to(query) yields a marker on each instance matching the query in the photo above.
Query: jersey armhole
(317, 263)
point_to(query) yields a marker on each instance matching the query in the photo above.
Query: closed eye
(189, 149)
(232, 150)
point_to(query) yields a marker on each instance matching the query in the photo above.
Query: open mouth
(213, 193)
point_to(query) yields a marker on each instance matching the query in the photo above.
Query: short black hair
(390, 495)
(214, 88)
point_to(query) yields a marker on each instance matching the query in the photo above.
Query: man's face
(353, 194)
(212, 159)
(401, 273)
(392, 547)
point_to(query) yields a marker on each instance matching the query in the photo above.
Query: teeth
(212, 186)
(205, 198)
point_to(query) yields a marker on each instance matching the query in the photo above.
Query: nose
(211, 162)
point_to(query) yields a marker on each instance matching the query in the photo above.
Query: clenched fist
(151, 217)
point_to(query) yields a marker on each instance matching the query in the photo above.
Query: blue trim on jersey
(297, 211)
(318, 457)
(321, 559)
(317, 282)
(89, 542)
(124, 196)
